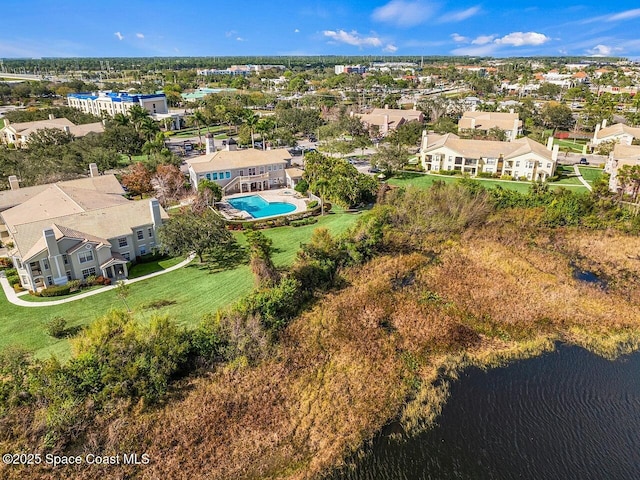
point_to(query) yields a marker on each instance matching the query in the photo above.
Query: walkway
(579, 175)
(13, 297)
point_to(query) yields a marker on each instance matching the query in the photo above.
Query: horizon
(354, 28)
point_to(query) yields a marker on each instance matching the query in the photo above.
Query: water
(258, 207)
(567, 415)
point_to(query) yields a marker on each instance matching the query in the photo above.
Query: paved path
(579, 175)
(13, 297)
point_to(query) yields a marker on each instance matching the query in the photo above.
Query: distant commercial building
(117, 102)
(239, 69)
(359, 69)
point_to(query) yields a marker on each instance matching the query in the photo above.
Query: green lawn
(575, 147)
(146, 268)
(191, 291)
(425, 181)
(1, 122)
(590, 174)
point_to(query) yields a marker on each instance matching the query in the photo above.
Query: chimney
(554, 153)
(516, 124)
(154, 206)
(385, 127)
(52, 116)
(386, 106)
(13, 182)
(210, 144)
(604, 123)
(93, 170)
(511, 111)
(6, 122)
(550, 143)
(425, 140)
(473, 123)
(52, 244)
(232, 145)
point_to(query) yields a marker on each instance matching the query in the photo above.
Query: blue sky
(75, 28)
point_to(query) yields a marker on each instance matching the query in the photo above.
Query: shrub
(13, 279)
(5, 263)
(74, 285)
(485, 175)
(312, 204)
(91, 280)
(302, 186)
(55, 291)
(17, 287)
(304, 221)
(506, 177)
(56, 327)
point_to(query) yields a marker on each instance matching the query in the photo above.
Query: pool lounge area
(266, 204)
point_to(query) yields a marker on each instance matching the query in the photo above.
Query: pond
(568, 415)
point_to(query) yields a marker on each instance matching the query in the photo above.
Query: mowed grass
(419, 180)
(190, 292)
(590, 174)
(143, 269)
(575, 147)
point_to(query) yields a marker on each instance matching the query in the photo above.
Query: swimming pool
(258, 207)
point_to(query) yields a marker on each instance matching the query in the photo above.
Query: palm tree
(148, 128)
(198, 119)
(121, 119)
(265, 126)
(251, 119)
(137, 114)
(321, 186)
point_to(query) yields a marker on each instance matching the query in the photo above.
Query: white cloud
(404, 13)
(230, 33)
(459, 38)
(460, 16)
(518, 39)
(240, 39)
(390, 48)
(296, 31)
(352, 38)
(139, 35)
(603, 51)
(626, 15)
(119, 36)
(483, 39)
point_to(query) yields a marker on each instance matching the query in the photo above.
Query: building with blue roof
(117, 102)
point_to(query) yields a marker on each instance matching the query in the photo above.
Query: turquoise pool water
(258, 207)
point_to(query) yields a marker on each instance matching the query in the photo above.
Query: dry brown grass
(378, 350)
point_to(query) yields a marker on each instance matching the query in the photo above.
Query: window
(49, 280)
(88, 272)
(127, 256)
(518, 163)
(548, 165)
(84, 257)
(214, 176)
(65, 259)
(122, 242)
(208, 175)
(242, 173)
(140, 234)
(491, 161)
(45, 264)
(150, 231)
(261, 170)
(227, 174)
(143, 250)
(24, 280)
(269, 168)
(68, 274)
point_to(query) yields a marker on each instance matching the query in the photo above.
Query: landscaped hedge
(55, 291)
(304, 221)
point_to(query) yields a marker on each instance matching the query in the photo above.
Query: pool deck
(287, 195)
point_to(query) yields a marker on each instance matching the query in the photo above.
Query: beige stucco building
(619, 133)
(620, 156)
(18, 133)
(241, 170)
(510, 122)
(76, 229)
(388, 119)
(521, 158)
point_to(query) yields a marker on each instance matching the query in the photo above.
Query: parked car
(584, 161)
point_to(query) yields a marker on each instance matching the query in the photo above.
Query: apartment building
(521, 158)
(117, 102)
